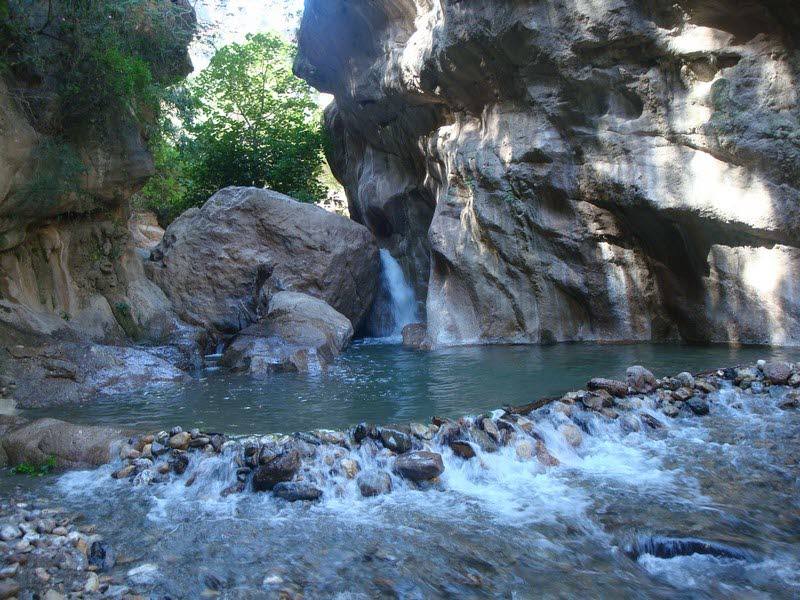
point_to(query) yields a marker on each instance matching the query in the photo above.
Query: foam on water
(612, 483)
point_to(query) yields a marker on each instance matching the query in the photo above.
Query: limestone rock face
(298, 333)
(573, 170)
(219, 263)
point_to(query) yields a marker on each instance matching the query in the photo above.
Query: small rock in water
(572, 434)
(157, 449)
(101, 555)
(640, 379)
(631, 424)
(423, 432)
(705, 386)
(293, 491)
(179, 463)
(682, 394)
(524, 450)
(670, 410)
(350, 467)
(462, 449)
(9, 532)
(175, 430)
(374, 483)
(491, 429)
(483, 439)
(544, 456)
(9, 589)
(396, 441)
(92, 584)
(777, 372)
(146, 574)
(612, 386)
(419, 466)
(698, 406)
(281, 467)
(685, 379)
(124, 472)
(180, 441)
(790, 401)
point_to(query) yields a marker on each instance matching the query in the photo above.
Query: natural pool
(385, 383)
(497, 526)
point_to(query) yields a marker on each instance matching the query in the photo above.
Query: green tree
(255, 123)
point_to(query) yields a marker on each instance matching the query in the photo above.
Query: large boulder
(36, 442)
(218, 262)
(298, 332)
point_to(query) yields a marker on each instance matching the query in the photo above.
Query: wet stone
(462, 449)
(777, 372)
(491, 429)
(698, 406)
(179, 463)
(102, 556)
(180, 441)
(396, 441)
(651, 421)
(419, 466)
(612, 386)
(571, 434)
(640, 379)
(524, 450)
(292, 491)
(630, 424)
(682, 394)
(374, 483)
(483, 439)
(279, 468)
(670, 410)
(685, 379)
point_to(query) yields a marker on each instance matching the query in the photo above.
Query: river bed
(498, 526)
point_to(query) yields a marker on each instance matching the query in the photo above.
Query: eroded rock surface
(218, 263)
(298, 333)
(573, 169)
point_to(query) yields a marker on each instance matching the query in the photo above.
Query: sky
(225, 21)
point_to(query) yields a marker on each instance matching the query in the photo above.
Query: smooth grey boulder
(298, 333)
(640, 380)
(374, 483)
(219, 262)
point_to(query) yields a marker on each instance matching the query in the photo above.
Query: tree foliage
(247, 120)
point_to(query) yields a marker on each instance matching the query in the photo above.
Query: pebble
(146, 574)
(9, 532)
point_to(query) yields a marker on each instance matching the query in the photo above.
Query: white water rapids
(499, 525)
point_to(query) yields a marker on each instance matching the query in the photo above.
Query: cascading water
(566, 486)
(395, 307)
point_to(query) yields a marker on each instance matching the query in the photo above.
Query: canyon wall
(553, 170)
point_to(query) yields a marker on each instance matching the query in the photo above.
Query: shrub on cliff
(79, 61)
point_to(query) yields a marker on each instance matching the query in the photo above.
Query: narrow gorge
(399, 299)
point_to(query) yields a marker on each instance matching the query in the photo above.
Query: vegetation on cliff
(244, 120)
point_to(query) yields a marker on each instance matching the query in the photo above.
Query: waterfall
(395, 306)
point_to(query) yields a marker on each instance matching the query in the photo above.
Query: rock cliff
(72, 286)
(551, 170)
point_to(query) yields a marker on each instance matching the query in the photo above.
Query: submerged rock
(421, 465)
(292, 491)
(374, 483)
(669, 547)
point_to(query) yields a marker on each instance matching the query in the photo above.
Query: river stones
(790, 401)
(293, 491)
(396, 441)
(180, 441)
(146, 574)
(9, 532)
(571, 434)
(374, 483)
(698, 406)
(278, 468)
(777, 372)
(179, 462)
(630, 424)
(102, 556)
(544, 456)
(640, 379)
(670, 410)
(421, 465)
(612, 386)
(349, 467)
(682, 394)
(462, 449)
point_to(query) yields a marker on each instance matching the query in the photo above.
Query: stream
(496, 526)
